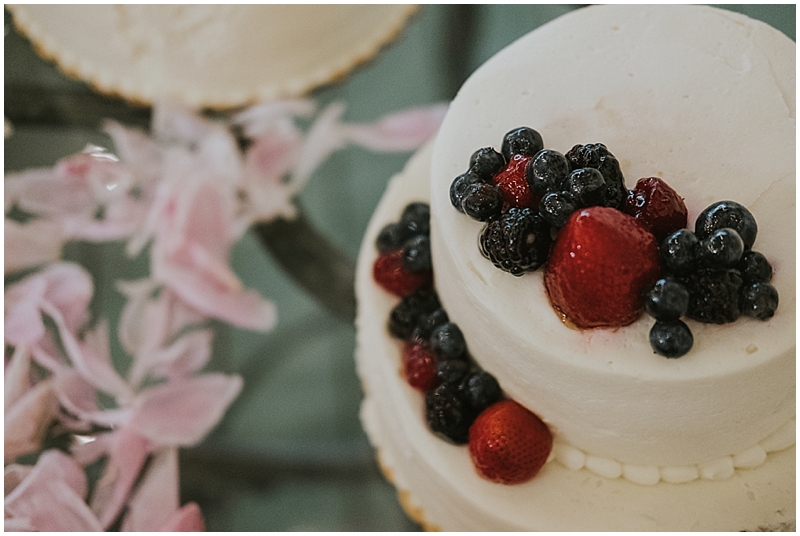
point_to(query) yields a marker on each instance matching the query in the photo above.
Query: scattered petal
(31, 244)
(156, 498)
(402, 131)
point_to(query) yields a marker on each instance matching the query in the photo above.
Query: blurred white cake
(215, 56)
(703, 98)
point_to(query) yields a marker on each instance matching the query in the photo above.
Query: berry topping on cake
(586, 186)
(481, 201)
(546, 171)
(556, 208)
(391, 274)
(521, 141)
(392, 237)
(727, 214)
(597, 156)
(428, 323)
(654, 203)
(723, 248)
(508, 444)
(448, 342)
(486, 162)
(412, 308)
(459, 187)
(514, 185)
(713, 294)
(601, 264)
(667, 300)
(679, 251)
(759, 300)
(671, 338)
(755, 267)
(452, 371)
(481, 390)
(419, 365)
(417, 254)
(517, 241)
(448, 414)
(417, 217)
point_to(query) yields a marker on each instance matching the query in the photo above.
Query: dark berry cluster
(713, 276)
(435, 359)
(411, 235)
(525, 192)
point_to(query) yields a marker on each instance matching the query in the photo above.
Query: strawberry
(419, 365)
(508, 444)
(656, 205)
(389, 273)
(600, 266)
(514, 185)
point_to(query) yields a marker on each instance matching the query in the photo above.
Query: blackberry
(523, 141)
(589, 155)
(481, 201)
(392, 237)
(417, 254)
(556, 208)
(671, 338)
(667, 300)
(722, 248)
(428, 323)
(407, 314)
(597, 156)
(755, 267)
(586, 186)
(727, 214)
(759, 300)
(679, 251)
(713, 294)
(452, 371)
(448, 414)
(486, 162)
(459, 187)
(546, 171)
(480, 390)
(516, 241)
(417, 216)
(447, 342)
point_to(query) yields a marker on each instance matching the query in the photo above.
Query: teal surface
(291, 454)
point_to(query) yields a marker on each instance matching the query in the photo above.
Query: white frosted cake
(703, 98)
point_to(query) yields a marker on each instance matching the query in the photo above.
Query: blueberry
(417, 216)
(452, 371)
(722, 248)
(480, 390)
(392, 237)
(727, 214)
(667, 300)
(428, 323)
(417, 254)
(459, 186)
(713, 294)
(671, 338)
(679, 251)
(556, 208)
(755, 267)
(486, 162)
(517, 241)
(481, 201)
(448, 414)
(523, 141)
(406, 315)
(447, 342)
(546, 171)
(759, 300)
(587, 186)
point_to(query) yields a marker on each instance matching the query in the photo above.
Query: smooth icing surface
(439, 487)
(701, 97)
(209, 55)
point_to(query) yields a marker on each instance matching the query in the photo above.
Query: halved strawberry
(600, 266)
(514, 185)
(508, 444)
(419, 365)
(656, 205)
(389, 273)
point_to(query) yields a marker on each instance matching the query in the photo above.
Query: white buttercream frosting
(701, 97)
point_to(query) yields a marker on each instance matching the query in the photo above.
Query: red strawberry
(389, 273)
(419, 365)
(654, 203)
(508, 444)
(600, 266)
(514, 185)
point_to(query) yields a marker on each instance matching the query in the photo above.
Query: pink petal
(137, 150)
(182, 411)
(127, 454)
(16, 379)
(326, 136)
(258, 119)
(188, 518)
(23, 321)
(42, 192)
(156, 498)
(402, 131)
(79, 398)
(70, 290)
(31, 244)
(185, 356)
(13, 475)
(27, 421)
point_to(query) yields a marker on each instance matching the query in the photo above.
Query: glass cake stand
(290, 453)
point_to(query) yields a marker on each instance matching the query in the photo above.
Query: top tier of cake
(704, 99)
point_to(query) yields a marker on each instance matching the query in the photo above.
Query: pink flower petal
(326, 136)
(256, 120)
(17, 376)
(185, 356)
(181, 412)
(31, 244)
(27, 420)
(69, 289)
(402, 131)
(42, 192)
(188, 518)
(156, 498)
(23, 321)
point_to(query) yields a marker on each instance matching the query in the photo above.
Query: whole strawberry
(656, 205)
(514, 185)
(390, 273)
(600, 266)
(508, 444)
